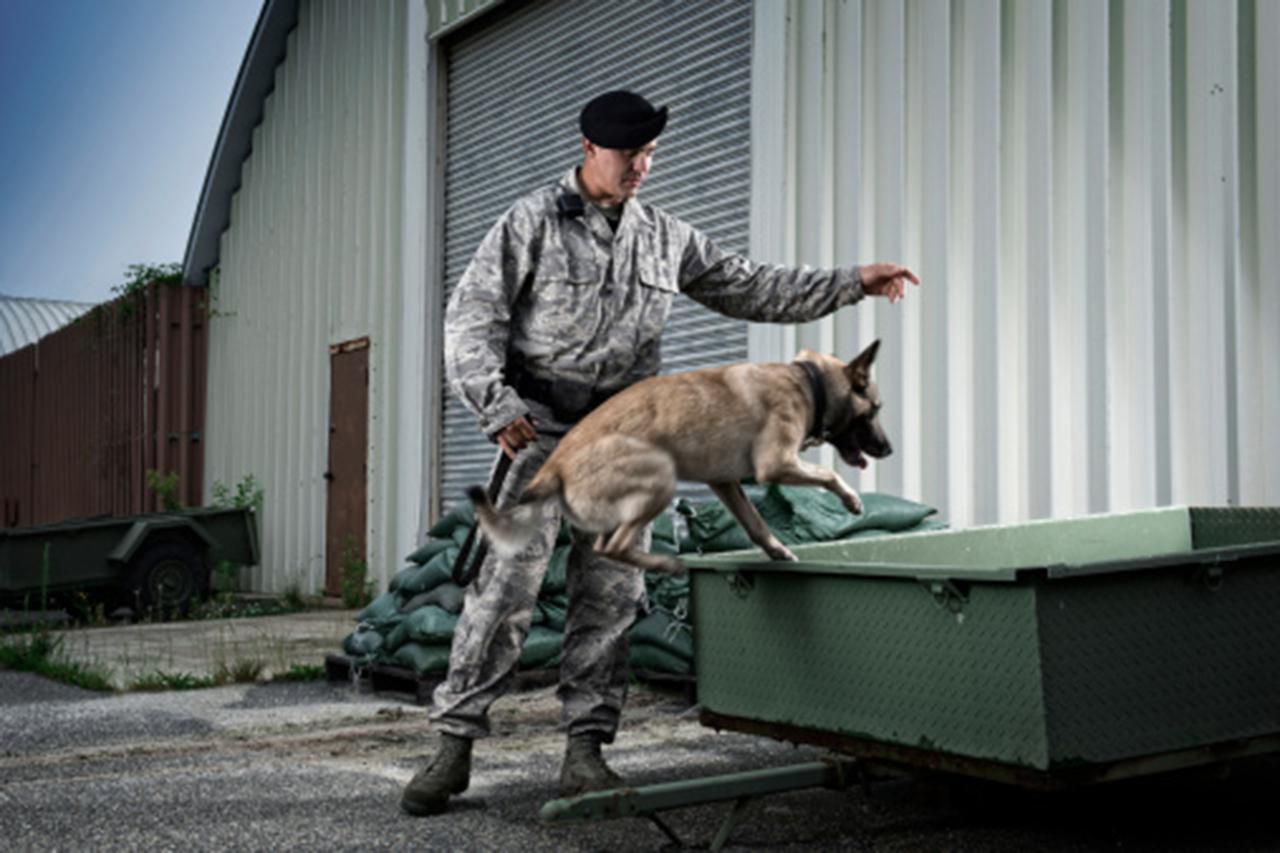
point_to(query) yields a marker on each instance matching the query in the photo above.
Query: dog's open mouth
(854, 457)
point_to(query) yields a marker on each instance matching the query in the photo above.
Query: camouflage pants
(603, 599)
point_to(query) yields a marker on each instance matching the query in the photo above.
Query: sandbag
(414, 580)
(664, 536)
(422, 657)
(552, 611)
(428, 550)
(555, 581)
(447, 596)
(460, 516)
(670, 592)
(428, 624)
(541, 646)
(383, 610)
(661, 628)
(363, 642)
(658, 659)
(797, 515)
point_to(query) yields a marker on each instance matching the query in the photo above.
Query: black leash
(467, 565)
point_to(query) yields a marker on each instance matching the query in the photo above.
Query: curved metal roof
(24, 320)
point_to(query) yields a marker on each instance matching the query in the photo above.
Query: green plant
(224, 579)
(240, 671)
(303, 672)
(357, 590)
(160, 681)
(166, 488)
(293, 597)
(138, 276)
(248, 494)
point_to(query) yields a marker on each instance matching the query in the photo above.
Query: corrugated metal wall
(94, 406)
(312, 257)
(1090, 193)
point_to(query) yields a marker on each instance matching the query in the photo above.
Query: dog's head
(852, 424)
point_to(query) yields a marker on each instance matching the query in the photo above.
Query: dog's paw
(673, 566)
(853, 503)
(781, 553)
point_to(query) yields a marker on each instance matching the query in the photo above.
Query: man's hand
(886, 280)
(515, 435)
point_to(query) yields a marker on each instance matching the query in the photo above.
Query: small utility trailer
(156, 560)
(1047, 655)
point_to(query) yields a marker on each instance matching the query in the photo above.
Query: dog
(617, 469)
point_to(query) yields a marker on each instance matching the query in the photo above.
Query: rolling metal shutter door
(516, 83)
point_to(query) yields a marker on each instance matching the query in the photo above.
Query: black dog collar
(812, 371)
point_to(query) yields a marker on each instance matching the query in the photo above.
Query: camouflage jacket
(563, 294)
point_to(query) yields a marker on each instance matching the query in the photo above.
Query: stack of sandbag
(412, 623)
(799, 515)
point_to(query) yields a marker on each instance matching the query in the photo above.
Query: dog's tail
(509, 530)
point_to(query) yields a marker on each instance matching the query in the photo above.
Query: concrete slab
(203, 648)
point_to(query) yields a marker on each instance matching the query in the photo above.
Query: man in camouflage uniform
(564, 304)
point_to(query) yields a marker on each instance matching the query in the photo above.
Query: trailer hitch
(742, 788)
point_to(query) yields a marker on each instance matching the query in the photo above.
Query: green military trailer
(155, 560)
(1049, 655)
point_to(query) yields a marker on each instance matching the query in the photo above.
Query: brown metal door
(348, 450)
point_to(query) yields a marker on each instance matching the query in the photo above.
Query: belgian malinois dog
(617, 469)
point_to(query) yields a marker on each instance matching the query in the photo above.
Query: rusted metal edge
(1055, 779)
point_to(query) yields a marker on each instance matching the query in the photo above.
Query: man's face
(617, 173)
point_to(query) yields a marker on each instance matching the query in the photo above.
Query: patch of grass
(162, 681)
(240, 671)
(303, 672)
(40, 652)
(230, 607)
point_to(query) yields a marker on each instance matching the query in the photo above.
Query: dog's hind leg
(736, 501)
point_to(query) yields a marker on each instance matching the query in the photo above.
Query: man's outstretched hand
(886, 280)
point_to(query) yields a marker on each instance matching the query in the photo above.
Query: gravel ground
(320, 767)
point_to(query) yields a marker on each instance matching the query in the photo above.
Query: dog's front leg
(797, 472)
(732, 496)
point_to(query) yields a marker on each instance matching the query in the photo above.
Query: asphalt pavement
(320, 766)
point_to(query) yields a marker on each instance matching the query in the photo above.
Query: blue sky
(111, 111)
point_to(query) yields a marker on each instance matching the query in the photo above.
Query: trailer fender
(141, 530)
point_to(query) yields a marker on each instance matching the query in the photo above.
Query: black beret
(621, 120)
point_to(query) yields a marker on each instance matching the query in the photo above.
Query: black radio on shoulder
(570, 204)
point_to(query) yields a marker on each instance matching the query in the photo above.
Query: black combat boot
(584, 768)
(448, 773)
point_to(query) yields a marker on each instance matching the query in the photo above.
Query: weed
(161, 681)
(303, 672)
(40, 652)
(248, 495)
(293, 598)
(225, 578)
(240, 671)
(165, 487)
(357, 590)
(138, 276)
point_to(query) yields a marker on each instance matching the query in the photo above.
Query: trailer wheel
(169, 576)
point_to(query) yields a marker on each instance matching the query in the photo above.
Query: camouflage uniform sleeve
(739, 287)
(477, 327)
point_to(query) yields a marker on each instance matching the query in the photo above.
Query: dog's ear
(859, 370)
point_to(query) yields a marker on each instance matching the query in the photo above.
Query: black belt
(569, 401)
